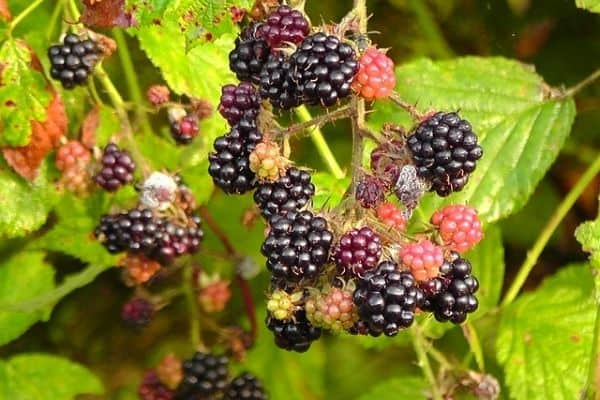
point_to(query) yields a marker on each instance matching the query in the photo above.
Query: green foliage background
(474, 56)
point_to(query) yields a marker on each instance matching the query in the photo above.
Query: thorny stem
(340, 113)
(411, 109)
(221, 235)
(23, 15)
(321, 144)
(190, 295)
(573, 90)
(423, 361)
(542, 240)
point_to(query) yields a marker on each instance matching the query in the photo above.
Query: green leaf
(406, 387)
(23, 94)
(521, 126)
(590, 5)
(328, 189)
(73, 233)
(288, 375)
(588, 234)
(487, 260)
(545, 338)
(22, 277)
(25, 205)
(45, 377)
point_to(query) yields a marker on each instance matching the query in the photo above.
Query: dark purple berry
(284, 26)
(370, 191)
(137, 312)
(204, 376)
(445, 151)
(291, 192)
(237, 102)
(296, 334)
(117, 168)
(358, 251)
(151, 388)
(185, 130)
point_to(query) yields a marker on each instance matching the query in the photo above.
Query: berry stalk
(190, 295)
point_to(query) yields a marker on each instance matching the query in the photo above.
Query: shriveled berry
(140, 268)
(137, 312)
(158, 94)
(358, 251)
(370, 191)
(423, 259)
(375, 78)
(459, 227)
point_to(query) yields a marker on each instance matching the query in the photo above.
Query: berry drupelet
(229, 164)
(296, 334)
(445, 151)
(117, 168)
(246, 60)
(73, 60)
(297, 246)
(245, 386)
(452, 295)
(358, 251)
(204, 376)
(291, 192)
(284, 26)
(323, 67)
(237, 102)
(387, 299)
(277, 83)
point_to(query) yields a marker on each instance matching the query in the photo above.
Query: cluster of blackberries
(206, 376)
(117, 168)
(295, 334)
(291, 192)
(73, 60)
(141, 231)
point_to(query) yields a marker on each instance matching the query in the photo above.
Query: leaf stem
(23, 14)
(411, 109)
(573, 90)
(555, 220)
(190, 295)
(321, 144)
(58, 7)
(474, 344)
(423, 361)
(591, 388)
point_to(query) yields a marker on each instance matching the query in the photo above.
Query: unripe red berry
(459, 227)
(214, 296)
(423, 259)
(375, 78)
(392, 215)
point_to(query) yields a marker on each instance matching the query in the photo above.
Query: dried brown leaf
(106, 14)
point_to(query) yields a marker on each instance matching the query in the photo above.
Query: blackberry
(297, 246)
(387, 299)
(323, 68)
(452, 295)
(445, 151)
(277, 83)
(140, 231)
(72, 62)
(137, 312)
(185, 130)
(296, 334)
(229, 165)
(239, 101)
(204, 376)
(245, 386)
(246, 60)
(289, 193)
(151, 388)
(117, 168)
(358, 251)
(283, 26)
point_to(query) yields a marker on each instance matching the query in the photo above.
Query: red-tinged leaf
(45, 135)
(89, 127)
(106, 14)
(4, 11)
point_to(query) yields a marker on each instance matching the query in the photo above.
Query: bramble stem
(219, 233)
(54, 18)
(190, 295)
(474, 344)
(573, 90)
(411, 109)
(23, 14)
(423, 361)
(542, 240)
(321, 144)
(340, 113)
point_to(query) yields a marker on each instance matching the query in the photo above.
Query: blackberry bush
(297, 246)
(387, 299)
(444, 148)
(72, 61)
(291, 192)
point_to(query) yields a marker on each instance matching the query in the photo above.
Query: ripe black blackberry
(117, 168)
(297, 246)
(237, 102)
(204, 376)
(246, 60)
(323, 68)
(291, 192)
(296, 334)
(245, 386)
(137, 312)
(452, 295)
(444, 149)
(185, 130)
(277, 83)
(73, 60)
(387, 299)
(140, 231)
(229, 164)
(283, 26)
